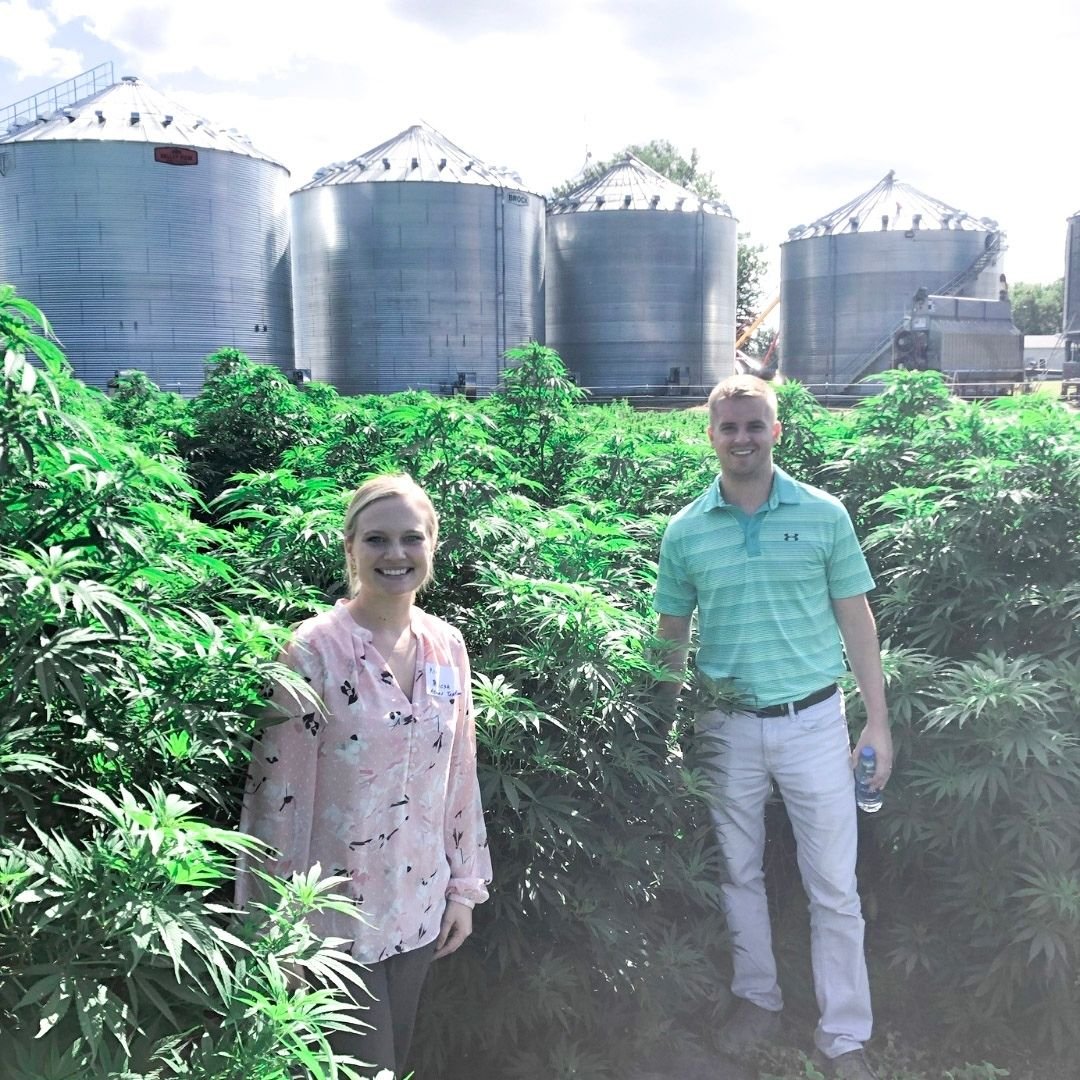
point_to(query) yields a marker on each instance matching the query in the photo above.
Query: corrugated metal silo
(641, 282)
(847, 280)
(415, 265)
(149, 237)
(1071, 318)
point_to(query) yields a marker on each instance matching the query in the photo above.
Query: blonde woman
(376, 780)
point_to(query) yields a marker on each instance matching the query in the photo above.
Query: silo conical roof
(133, 111)
(419, 153)
(630, 184)
(905, 208)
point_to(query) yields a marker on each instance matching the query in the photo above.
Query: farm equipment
(972, 342)
(1070, 381)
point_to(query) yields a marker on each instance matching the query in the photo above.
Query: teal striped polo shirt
(762, 586)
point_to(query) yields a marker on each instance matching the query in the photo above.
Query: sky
(795, 107)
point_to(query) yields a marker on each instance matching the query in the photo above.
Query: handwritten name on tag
(442, 681)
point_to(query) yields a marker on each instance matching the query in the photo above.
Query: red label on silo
(176, 155)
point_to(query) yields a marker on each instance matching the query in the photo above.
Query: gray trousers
(808, 754)
(396, 983)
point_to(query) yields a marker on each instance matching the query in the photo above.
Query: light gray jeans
(808, 755)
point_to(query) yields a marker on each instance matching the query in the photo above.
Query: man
(773, 568)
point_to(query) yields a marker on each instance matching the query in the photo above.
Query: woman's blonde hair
(387, 486)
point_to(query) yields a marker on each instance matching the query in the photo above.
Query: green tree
(658, 154)
(1037, 309)
(665, 158)
(752, 268)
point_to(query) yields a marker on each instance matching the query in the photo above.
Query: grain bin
(641, 282)
(847, 280)
(415, 266)
(149, 236)
(1071, 316)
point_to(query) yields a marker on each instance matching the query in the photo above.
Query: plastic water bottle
(866, 797)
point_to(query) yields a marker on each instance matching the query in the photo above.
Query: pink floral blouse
(372, 786)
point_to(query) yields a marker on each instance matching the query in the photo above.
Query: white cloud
(533, 102)
(27, 42)
(965, 101)
(795, 107)
(234, 40)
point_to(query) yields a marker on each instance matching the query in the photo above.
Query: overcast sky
(796, 107)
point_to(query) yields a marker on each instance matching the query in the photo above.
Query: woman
(376, 781)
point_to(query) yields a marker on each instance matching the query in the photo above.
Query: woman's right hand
(456, 927)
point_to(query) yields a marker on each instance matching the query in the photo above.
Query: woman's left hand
(456, 927)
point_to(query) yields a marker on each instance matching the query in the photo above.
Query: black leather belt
(815, 698)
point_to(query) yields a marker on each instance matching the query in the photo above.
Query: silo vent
(69, 116)
(854, 223)
(599, 200)
(100, 116)
(679, 203)
(884, 222)
(916, 220)
(134, 118)
(416, 163)
(469, 166)
(129, 79)
(386, 164)
(627, 200)
(654, 202)
(442, 164)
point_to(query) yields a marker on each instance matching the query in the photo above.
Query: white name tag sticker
(442, 681)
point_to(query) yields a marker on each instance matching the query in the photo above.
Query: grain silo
(1071, 318)
(415, 265)
(641, 283)
(148, 236)
(848, 280)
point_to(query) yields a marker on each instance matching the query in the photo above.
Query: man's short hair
(739, 386)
